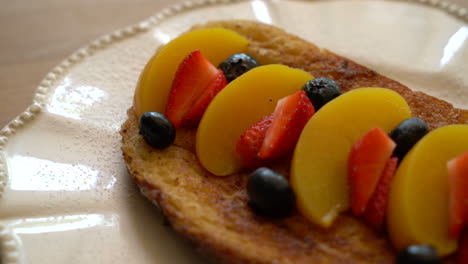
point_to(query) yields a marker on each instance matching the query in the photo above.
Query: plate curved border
(9, 244)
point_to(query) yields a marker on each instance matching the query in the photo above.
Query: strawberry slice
(458, 194)
(375, 211)
(462, 256)
(366, 163)
(291, 114)
(193, 117)
(250, 142)
(194, 75)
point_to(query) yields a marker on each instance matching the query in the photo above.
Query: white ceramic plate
(66, 195)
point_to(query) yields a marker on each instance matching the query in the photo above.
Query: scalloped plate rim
(40, 94)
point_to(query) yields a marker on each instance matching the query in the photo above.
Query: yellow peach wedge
(155, 82)
(319, 165)
(418, 204)
(242, 103)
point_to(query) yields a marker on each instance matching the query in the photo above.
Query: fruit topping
(319, 165)
(458, 194)
(418, 206)
(193, 117)
(251, 141)
(418, 254)
(236, 65)
(156, 130)
(376, 209)
(321, 90)
(270, 194)
(366, 162)
(194, 76)
(155, 81)
(407, 134)
(240, 104)
(291, 114)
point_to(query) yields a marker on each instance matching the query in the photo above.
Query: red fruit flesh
(366, 163)
(193, 117)
(462, 256)
(458, 194)
(195, 73)
(250, 142)
(291, 115)
(375, 211)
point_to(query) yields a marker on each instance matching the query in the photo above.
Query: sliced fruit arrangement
(289, 118)
(155, 81)
(193, 117)
(195, 84)
(376, 209)
(418, 206)
(371, 172)
(319, 165)
(366, 163)
(276, 134)
(343, 156)
(458, 194)
(240, 104)
(251, 141)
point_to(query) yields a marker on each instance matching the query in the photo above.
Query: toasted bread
(213, 212)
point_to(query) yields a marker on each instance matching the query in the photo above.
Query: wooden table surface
(37, 35)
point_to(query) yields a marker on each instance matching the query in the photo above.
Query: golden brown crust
(212, 211)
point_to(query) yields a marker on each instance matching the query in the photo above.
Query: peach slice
(154, 85)
(319, 165)
(418, 210)
(242, 103)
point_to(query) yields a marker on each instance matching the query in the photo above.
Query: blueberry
(236, 65)
(270, 194)
(157, 130)
(418, 254)
(406, 134)
(321, 91)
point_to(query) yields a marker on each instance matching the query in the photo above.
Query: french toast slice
(212, 211)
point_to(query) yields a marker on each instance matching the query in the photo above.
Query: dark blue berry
(418, 254)
(270, 194)
(321, 91)
(157, 130)
(406, 134)
(236, 65)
